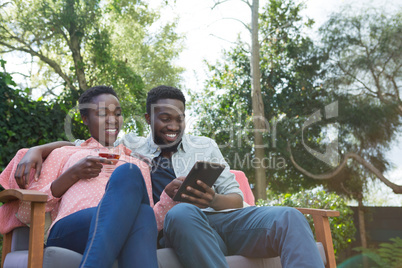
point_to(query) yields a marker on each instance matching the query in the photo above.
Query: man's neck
(167, 154)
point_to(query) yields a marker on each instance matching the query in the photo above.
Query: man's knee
(182, 215)
(293, 214)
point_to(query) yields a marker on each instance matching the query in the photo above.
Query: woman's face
(104, 119)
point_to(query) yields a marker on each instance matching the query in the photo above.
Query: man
(213, 224)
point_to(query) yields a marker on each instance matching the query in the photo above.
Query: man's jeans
(122, 227)
(204, 239)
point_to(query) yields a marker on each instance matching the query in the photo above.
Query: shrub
(388, 255)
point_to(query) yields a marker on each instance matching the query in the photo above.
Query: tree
(256, 97)
(364, 64)
(289, 67)
(79, 44)
(365, 54)
(25, 122)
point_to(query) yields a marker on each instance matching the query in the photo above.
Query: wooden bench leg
(323, 234)
(6, 246)
(36, 235)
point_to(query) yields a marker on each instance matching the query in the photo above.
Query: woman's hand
(31, 160)
(87, 168)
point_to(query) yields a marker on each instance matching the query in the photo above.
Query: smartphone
(204, 171)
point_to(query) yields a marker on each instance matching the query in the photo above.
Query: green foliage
(299, 78)
(79, 44)
(388, 255)
(342, 228)
(26, 123)
(290, 67)
(365, 50)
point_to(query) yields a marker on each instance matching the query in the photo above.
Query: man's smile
(171, 136)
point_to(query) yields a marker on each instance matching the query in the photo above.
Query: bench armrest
(23, 195)
(323, 231)
(37, 226)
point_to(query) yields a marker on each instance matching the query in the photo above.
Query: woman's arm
(87, 168)
(33, 160)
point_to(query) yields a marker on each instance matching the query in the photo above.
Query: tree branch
(219, 2)
(45, 59)
(395, 188)
(355, 78)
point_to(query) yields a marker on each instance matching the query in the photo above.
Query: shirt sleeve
(162, 207)
(226, 183)
(51, 169)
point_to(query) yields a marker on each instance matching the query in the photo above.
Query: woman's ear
(85, 119)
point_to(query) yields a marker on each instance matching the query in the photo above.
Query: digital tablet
(206, 172)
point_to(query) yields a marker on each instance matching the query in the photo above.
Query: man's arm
(33, 160)
(211, 199)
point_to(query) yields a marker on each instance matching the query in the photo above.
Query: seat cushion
(60, 257)
(53, 257)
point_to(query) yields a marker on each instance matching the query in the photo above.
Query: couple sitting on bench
(108, 217)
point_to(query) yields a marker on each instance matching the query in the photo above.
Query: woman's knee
(127, 176)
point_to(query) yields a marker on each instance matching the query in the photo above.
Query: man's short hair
(164, 92)
(90, 94)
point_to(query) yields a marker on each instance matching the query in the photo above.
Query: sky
(209, 31)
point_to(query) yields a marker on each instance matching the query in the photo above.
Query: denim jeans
(122, 227)
(204, 239)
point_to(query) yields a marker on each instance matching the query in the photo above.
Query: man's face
(167, 120)
(104, 119)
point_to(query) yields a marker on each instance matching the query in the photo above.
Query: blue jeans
(122, 227)
(204, 239)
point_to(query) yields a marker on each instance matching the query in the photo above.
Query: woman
(116, 223)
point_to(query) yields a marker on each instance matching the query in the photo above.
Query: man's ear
(148, 118)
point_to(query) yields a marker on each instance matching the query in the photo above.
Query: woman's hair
(163, 92)
(90, 94)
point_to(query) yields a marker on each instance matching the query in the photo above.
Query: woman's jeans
(122, 227)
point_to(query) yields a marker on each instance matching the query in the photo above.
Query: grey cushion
(20, 240)
(55, 257)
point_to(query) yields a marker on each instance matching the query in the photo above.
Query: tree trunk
(75, 46)
(258, 105)
(362, 228)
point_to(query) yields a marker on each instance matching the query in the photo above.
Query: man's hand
(172, 187)
(31, 160)
(199, 198)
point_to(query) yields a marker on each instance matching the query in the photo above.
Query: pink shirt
(85, 193)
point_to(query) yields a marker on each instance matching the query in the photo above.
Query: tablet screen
(207, 172)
